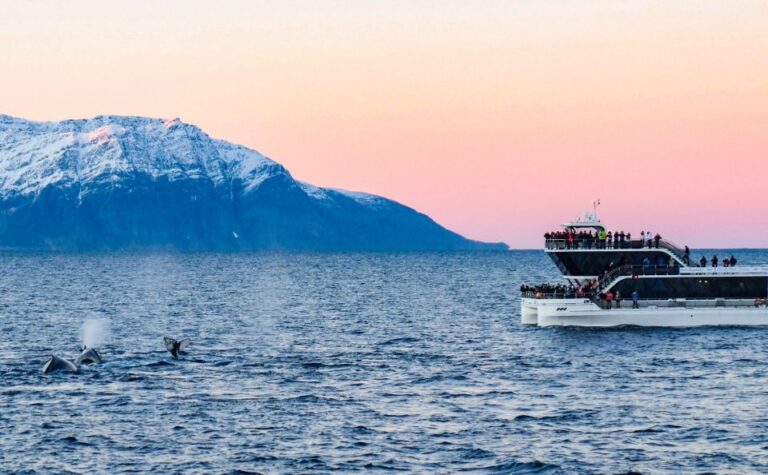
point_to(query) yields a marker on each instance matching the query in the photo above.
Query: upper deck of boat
(587, 234)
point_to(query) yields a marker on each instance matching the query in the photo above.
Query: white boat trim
(585, 313)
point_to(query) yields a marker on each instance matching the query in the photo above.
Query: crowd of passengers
(560, 290)
(726, 261)
(606, 299)
(602, 239)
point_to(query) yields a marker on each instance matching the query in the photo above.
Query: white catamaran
(656, 280)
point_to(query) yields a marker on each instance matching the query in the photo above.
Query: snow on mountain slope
(328, 194)
(34, 155)
(115, 182)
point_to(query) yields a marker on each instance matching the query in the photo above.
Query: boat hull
(584, 313)
(529, 311)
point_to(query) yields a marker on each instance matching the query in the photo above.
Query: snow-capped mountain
(34, 155)
(132, 182)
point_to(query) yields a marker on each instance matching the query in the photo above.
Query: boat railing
(687, 302)
(635, 270)
(646, 302)
(640, 269)
(532, 294)
(595, 243)
(734, 270)
(591, 243)
(676, 250)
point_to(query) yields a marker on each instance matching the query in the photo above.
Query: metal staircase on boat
(607, 280)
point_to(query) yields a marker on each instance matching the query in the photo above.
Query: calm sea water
(345, 362)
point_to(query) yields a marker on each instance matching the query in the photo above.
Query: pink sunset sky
(500, 119)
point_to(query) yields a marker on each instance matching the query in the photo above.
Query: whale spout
(175, 346)
(88, 356)
(55, 363)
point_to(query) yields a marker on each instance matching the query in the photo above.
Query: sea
(352, 362)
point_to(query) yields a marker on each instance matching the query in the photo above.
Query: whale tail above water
(88, 356)
(175, 346)
(55, 363)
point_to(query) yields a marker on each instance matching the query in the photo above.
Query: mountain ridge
(113, 182)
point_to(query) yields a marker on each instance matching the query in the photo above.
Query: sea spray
(95, 332)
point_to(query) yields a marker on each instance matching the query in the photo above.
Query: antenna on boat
(595, 204)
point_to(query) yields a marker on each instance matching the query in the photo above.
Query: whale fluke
(55, 363)
(88, 356)
(175, 346)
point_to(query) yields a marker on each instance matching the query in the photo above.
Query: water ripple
(316, 363)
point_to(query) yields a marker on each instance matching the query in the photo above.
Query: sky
(499, 119)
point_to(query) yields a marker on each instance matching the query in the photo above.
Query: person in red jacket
(608, 299)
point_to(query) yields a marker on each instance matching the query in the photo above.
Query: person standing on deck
(687, 256)
(714, 261)
(733, 261)
(635, 298)
(608, 299)
(603, 235)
